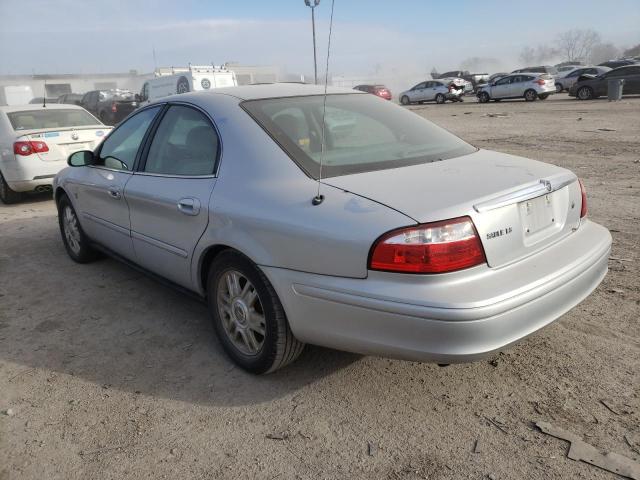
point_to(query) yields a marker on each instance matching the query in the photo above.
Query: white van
(15, 95)
(189, 79)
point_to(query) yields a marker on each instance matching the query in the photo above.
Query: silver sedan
(373, 231)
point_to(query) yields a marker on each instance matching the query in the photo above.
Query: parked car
(588, 87)
(530, 86)
(379, 90)
(429, 91)
(70, 98)
(42, 100)
(616, 63)
(563, 69)
(565, 82)
(35, 143)
(110, 106)
(417, 246)
(548, 69)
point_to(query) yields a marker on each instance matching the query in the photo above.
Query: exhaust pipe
(43, 188)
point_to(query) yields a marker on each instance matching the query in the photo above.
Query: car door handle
(114, 192)
(189, 206)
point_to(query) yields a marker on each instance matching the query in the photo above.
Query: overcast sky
(87, 36)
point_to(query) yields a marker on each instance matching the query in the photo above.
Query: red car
(379, 90)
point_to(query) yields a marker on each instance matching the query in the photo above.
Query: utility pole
(313, 28)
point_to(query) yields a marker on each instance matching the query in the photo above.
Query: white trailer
(186, 79)
(15, 95)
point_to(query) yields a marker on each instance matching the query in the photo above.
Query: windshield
(362, 133)
(54, 118)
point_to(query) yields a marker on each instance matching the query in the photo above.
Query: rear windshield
(362, 133)
(54, 118)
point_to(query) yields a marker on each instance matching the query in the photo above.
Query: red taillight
(27, 148)
(114, 107)
(540, 82)
(583, 193)
(429, 248)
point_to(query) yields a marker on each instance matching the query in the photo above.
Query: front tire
(247, 315)
(440, 99)
(584, 93)
(74, 239)
(559, 88)
(483, 97)
(530, 96)
(7, 195)
(405, 100)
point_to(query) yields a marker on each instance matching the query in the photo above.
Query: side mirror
(81, 158)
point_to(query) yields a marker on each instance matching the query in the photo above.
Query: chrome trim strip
(106, 223)
(157, 243)
(532, 191)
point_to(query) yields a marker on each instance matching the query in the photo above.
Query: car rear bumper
(447, 318)
(25, 175)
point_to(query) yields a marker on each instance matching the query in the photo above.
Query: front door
(418, 92)
(104, 213)
(169, 195)
(502, 88)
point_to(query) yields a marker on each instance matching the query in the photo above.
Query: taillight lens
(114, 107)
(27, 148)
(436, 247)
(583, 193)
(540, 82)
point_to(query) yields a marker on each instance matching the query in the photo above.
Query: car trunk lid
(519, 206)
(63, 142)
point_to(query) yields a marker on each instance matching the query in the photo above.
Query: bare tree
(632, 52)
(603, 52)
(577, 44)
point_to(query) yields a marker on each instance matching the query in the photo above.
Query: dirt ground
(104, 373)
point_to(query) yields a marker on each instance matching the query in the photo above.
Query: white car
(429, 91)
(36, 141)
(530, 86)
(569, 79)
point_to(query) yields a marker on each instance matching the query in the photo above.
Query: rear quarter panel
(261, 206)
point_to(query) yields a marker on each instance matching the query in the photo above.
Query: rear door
(632, 80)
(99, 195)
(169, 195)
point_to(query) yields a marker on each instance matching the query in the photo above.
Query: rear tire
(74, 239)
(7, 195)
(483, 97)
(530, 95)
(405, 100)
(247, 315)
(584, 93)
(440, 99)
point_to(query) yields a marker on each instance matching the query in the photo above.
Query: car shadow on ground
(117, 328)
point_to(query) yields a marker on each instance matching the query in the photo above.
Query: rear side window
(120, 148)
(50, 118)
(362, 134)
(185, 143)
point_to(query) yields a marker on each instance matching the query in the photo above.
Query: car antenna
(318, 199)
(44, 97)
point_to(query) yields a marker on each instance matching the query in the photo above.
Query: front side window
(362, 134)
(420, 86)
(505, 81)
(185, 143)
(120, 148)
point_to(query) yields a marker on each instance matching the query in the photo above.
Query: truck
(171, 81)
(15, 95)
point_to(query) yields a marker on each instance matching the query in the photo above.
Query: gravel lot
(104, 373)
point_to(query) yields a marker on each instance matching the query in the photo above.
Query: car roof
(35, 106)
(255, 92)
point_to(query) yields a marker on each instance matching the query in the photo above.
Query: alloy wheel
(71, 230)
(241, 312)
